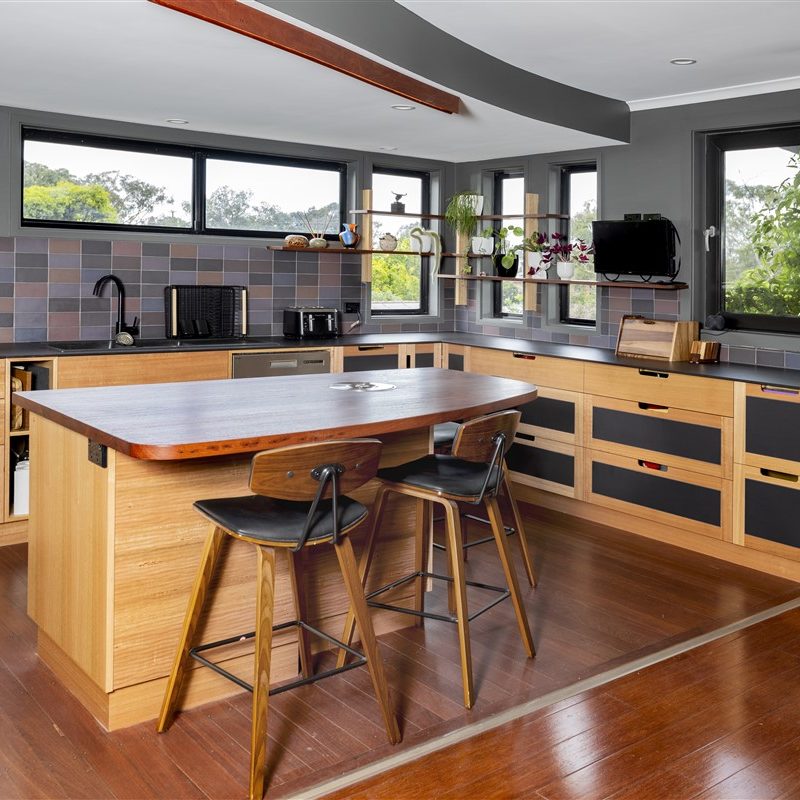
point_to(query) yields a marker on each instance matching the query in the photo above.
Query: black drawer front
(455, 361)
(773, 428)
(661, 494)
(544, 412)
(360, 363)
(772, 512)
(684, 439)
(423, 360)
(540, 463)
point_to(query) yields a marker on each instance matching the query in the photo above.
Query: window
(578, 304)
(400, 283)
(509, 198)
(71, 180)
(753, 200)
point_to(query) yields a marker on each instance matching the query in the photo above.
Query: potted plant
(566, 254)
(536, 244)
(536, 247)
(461, 214)
(483, 243)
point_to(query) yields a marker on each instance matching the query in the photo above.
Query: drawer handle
(781, 476)
(526, 437)
(649, 373)
(527, 356)
(283, 364)
(363, 347)
(769, 389)
(652, 465)
(654, 407)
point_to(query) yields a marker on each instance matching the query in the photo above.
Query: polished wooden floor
(604, 598)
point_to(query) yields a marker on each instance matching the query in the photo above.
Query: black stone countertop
(595, 355)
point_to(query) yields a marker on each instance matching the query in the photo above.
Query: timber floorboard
(604, 599)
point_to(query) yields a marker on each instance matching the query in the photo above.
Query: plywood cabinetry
(118, 370)
(557, 373)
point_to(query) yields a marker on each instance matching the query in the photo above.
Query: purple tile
(792, 360)
(770, 358)
(210, 251)
(236, 253)
(38, 334)
(26, 244)
(64, 261)
(6, 244)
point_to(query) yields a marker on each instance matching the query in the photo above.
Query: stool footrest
(508, 529)
(504, 595)
(295, 623)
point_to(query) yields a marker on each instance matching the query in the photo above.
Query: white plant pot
(482, 245)
(477, 204)
(422, 243)
(538, 266)
(565, 270)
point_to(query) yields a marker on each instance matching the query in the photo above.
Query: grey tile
(29, 244)
(260, 278)
(38, 334)
(30, 304)
(31, 274)
(209, 264)
(155, 249)
(284, 279)
(770, 358)
(6, 289)
(126, 263)
(183, 264)
(6, 320)
(156, 276)
(24, 260)
(742, 355)
(92, 261)
(64, 304)
(6, 244)
(792, 360)
(95, 246)
(206, 251)
(64, 290)
(236, 252)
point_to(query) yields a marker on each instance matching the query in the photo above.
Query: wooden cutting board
(670, 340)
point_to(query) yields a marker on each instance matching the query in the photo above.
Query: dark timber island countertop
(172, 421)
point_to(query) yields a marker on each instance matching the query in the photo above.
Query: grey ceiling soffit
(390, 31)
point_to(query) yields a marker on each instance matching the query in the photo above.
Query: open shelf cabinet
(21, 374)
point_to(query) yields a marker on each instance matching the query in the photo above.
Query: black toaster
(311, 322)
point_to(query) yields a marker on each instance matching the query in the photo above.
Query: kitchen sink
(105, 344)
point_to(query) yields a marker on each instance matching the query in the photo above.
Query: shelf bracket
(98, 454)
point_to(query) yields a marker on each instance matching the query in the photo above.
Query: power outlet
(352, 308)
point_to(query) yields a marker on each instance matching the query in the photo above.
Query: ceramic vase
(349, 237)
(537, 266)
(565, 270)
(318, 242)
(422, 243)
(295, 240)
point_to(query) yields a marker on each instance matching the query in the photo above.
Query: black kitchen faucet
(120, 327)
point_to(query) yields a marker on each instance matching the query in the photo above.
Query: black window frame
(497, 203)
(716, 145)
(199, 156)
(424, 271)
(564, 200)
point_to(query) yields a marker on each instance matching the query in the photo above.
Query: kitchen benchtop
(595, 355)
(197, 419)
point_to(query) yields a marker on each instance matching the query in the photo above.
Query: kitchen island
(114, 541)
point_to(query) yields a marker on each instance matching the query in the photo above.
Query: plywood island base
(112, 557)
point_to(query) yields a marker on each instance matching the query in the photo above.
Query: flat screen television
(634, 247)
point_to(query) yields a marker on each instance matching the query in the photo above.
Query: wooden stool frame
(457, 583)
(300, 472)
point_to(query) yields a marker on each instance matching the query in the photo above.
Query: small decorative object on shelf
(427, 242)
(349, 237)
(506, 255)
(388, 242)
(398, 207)
(296, 240)
(318, 232)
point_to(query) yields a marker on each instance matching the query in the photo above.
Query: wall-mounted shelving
(359, 251)
(376, 213)
(575, 282)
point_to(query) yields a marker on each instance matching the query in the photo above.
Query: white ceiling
(622, 49)
(134, 61)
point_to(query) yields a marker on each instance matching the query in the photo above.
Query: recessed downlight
(403, 107)
(683, 62)
(387, 147)
(177, 121)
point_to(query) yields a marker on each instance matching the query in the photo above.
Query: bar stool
(473, 474)
(279, 516)
(444, 435)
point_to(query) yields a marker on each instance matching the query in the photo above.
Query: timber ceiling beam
(263, 27)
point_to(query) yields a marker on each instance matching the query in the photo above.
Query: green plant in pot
(461, 214)
(506, 255)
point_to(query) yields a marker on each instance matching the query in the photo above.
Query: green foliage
(395, 278)
(68, 201)
(771, 285)
(460, 214)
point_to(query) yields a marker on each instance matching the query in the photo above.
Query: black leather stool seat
(444, 434)
(271, 520)
(445, 474)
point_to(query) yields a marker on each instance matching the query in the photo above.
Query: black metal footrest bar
(508, 529)
(504, 594)
(295, 623)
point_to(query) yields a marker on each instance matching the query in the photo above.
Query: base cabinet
(687, 500)
(543, 464)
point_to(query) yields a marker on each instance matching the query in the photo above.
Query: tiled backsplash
(46, 285)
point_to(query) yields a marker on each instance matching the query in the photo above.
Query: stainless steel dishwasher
(260, 365)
